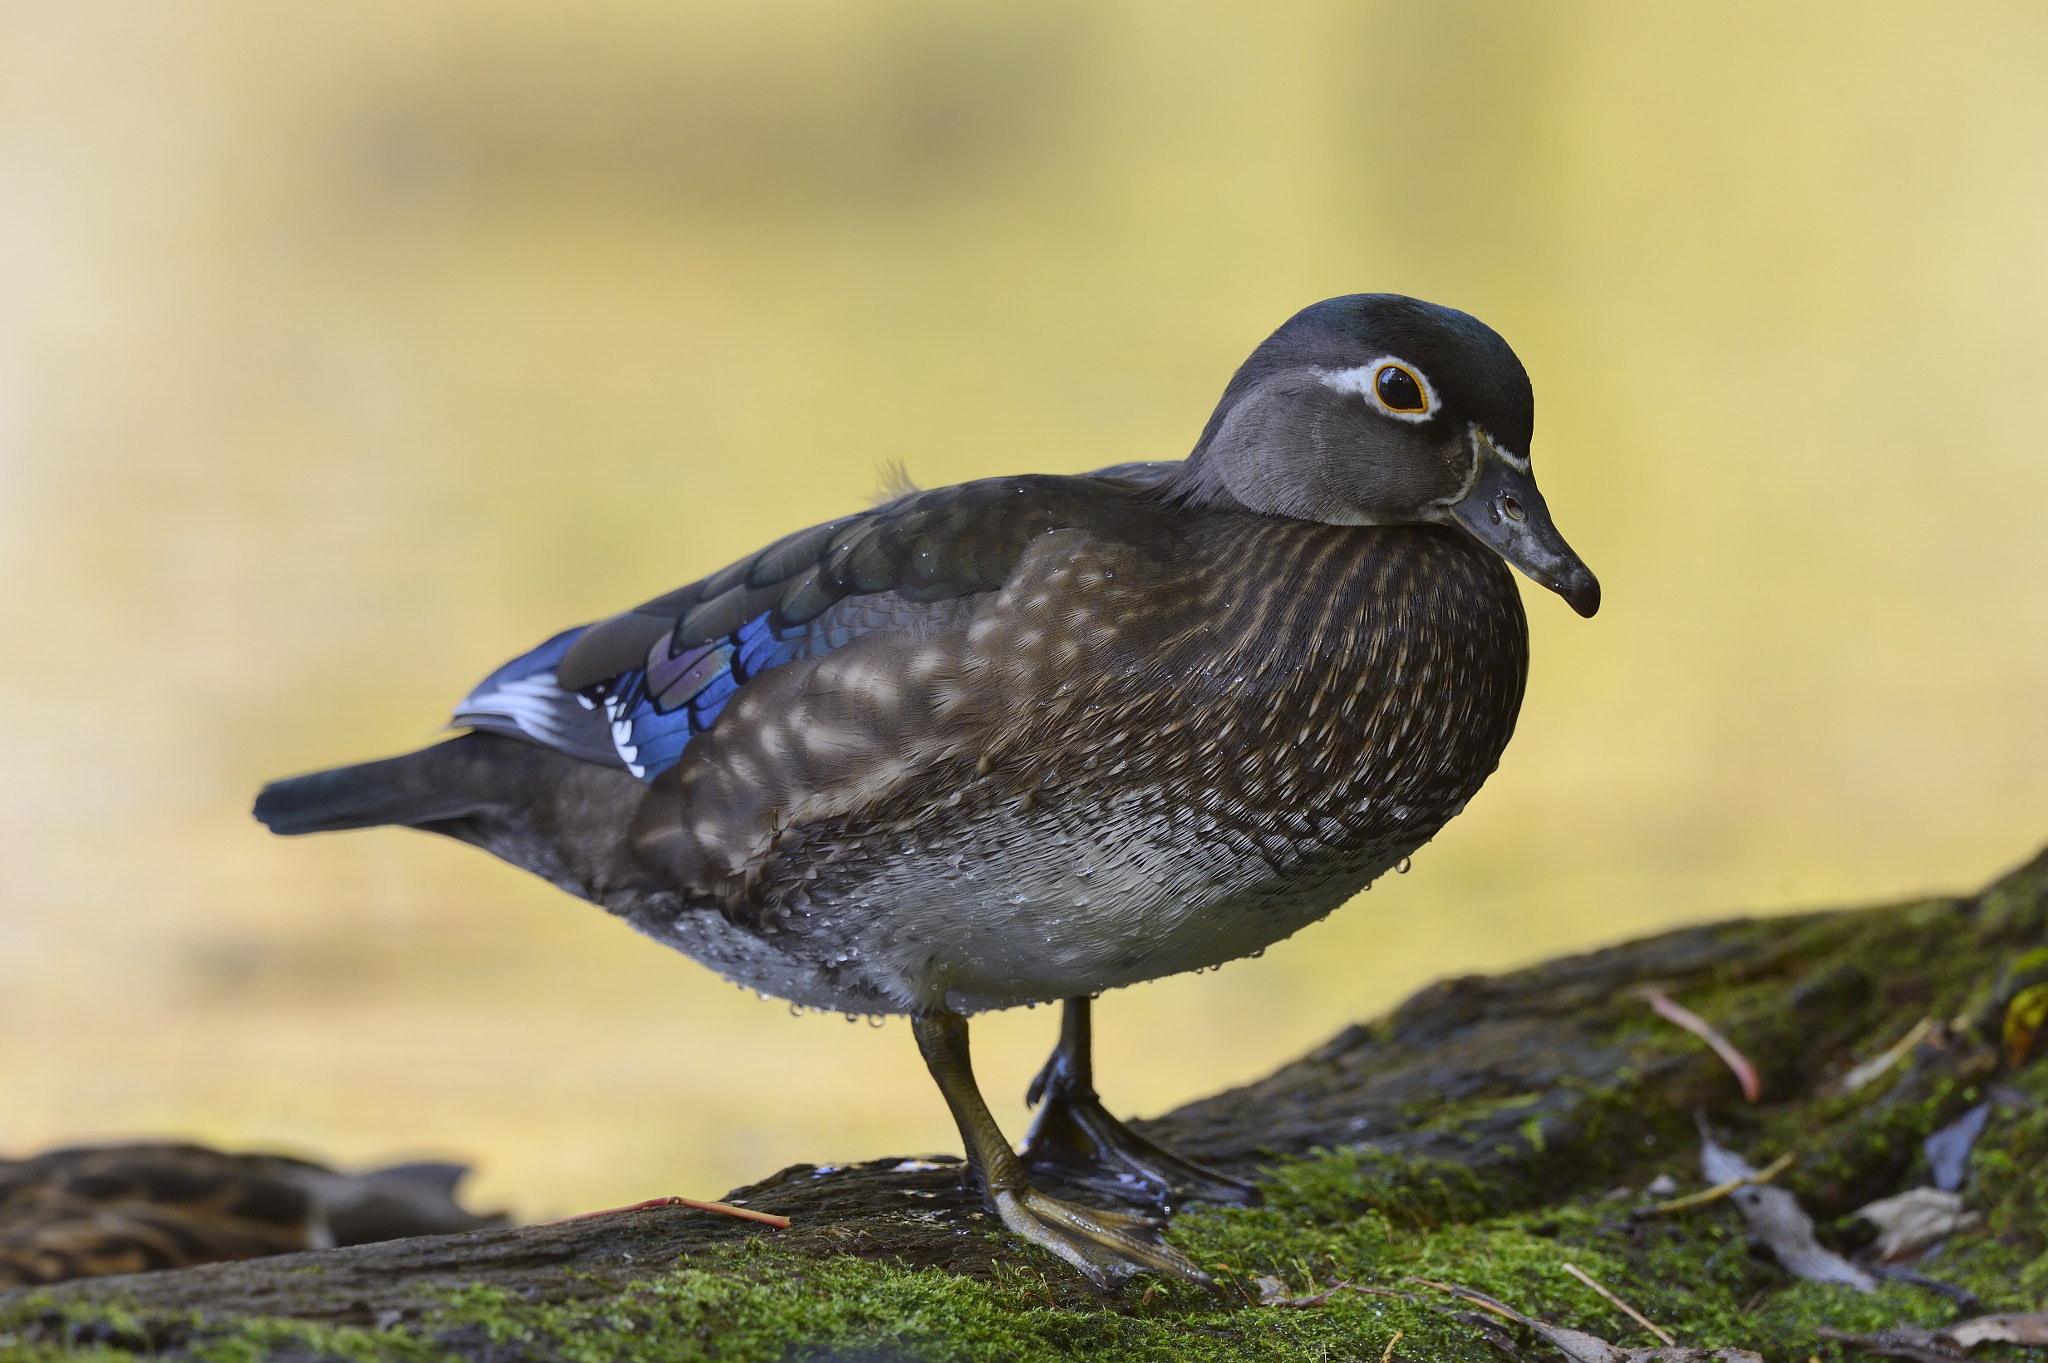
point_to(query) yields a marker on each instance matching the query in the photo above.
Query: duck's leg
(1106, 1247)
(1075, 1138)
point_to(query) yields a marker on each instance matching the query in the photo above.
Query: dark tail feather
(413, 789)
(563, 819)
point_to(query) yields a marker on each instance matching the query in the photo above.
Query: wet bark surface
(1544, 1083)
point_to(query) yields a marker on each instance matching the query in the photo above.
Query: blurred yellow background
(346, 351)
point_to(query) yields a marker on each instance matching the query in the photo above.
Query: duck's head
(1375, 409)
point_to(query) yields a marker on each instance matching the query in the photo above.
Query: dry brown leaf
(2029, 1327)
(1946, 1346)
(1916, 1219)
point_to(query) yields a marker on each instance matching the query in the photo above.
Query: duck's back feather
(634, 690)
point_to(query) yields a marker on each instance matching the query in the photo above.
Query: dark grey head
(1375, 409)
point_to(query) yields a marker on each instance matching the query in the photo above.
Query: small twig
(1897, 1051)
(1963, 1297)
(1633, 1314)
(1745, 1073)
(1384, 1292)
(722, 1208)
(1388, 1356)
(1498, 1307)
(1909, 1342)
(1719, 1190)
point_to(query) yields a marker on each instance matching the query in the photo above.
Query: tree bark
(1544, 1084)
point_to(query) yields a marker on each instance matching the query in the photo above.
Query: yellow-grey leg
(1106, 1247)
(1074, 1137)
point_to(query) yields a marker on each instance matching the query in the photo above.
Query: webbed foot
(1107, 1247)
(1074, 1138)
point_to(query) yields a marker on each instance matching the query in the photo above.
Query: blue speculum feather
(656, 710)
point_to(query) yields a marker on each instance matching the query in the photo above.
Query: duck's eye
(1399, 390)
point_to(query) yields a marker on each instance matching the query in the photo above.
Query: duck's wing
(633, 690)
(523, 699)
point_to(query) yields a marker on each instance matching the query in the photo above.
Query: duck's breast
(1129, 762)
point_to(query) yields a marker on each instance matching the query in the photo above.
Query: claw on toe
(1107, 1247)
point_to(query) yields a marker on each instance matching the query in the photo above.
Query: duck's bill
(1506, 513)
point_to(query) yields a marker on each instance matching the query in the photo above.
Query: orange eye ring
(1399, 389)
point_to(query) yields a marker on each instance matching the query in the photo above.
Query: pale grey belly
(1031, 910)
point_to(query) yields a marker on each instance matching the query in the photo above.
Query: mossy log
(1485, 1132)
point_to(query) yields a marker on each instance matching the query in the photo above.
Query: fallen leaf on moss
(1947, 1345)
(1778, 1222)
(2022, 994)
(2030, 1327)
(1948, 1150)
(1914, 1220)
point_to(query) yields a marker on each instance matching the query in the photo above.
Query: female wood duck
(1031, 738)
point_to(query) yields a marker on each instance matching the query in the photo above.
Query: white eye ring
(1364, 381)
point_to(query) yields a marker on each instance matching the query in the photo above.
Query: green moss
(1333, 1217)
(1535, 1200)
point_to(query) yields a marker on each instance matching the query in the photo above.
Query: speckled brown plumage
(1273, 708)
(127, 1209)
(84, 1211)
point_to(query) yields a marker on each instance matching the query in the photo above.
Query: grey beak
(1506, 513)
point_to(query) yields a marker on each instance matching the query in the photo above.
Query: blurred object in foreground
(89, 1210)
(2019, 1007)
